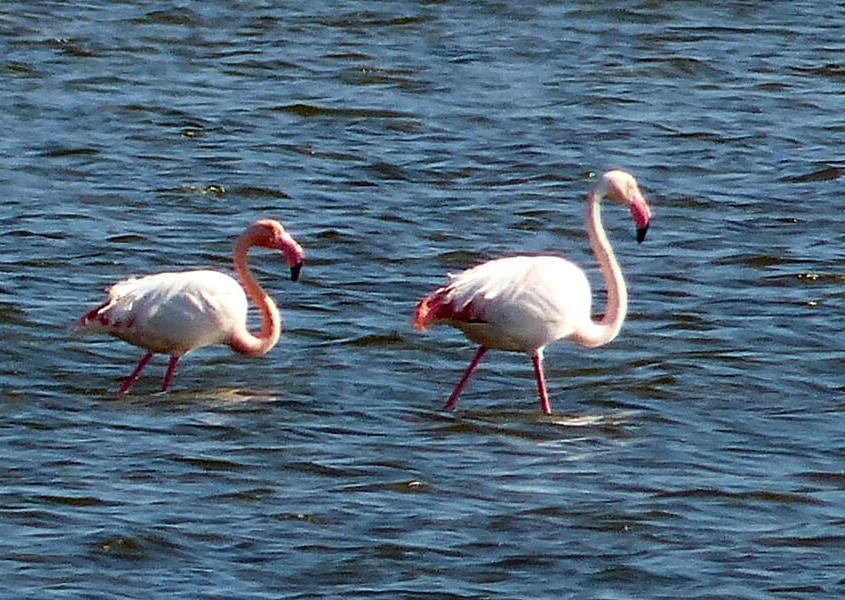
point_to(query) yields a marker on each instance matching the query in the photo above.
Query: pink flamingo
(524, 303)
(175, 313)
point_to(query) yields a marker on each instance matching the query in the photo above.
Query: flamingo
(175, 313)
(524, 303)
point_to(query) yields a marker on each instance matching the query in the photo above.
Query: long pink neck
(242, 340)
(598, 333)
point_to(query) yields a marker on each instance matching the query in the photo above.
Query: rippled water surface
(700, 455)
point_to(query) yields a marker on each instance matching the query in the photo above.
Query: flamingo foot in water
(133, 377)
(537, 359)
(171, 368)
(453, 399)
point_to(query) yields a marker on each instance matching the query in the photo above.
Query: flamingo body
(175, 313)
(524, 303)
(519, 304)
(171, 313)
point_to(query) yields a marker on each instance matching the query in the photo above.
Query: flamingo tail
(431, 309)
(107, 316)
(442, 305)
(94, 320)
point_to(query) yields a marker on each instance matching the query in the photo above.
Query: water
(700, 455)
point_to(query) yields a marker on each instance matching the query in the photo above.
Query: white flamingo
(524, 303)
(175, 313)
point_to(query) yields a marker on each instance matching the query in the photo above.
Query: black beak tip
(294, 272)
(641, 234)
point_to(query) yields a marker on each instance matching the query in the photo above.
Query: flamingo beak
(642, 215)
(294, 271)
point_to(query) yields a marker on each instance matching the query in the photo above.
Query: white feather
(523, 303)
(172, 313)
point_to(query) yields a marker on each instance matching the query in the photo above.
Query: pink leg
(127, 383)
(453, 399)
(537, 359)
(168, 376)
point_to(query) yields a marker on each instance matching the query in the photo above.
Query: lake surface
(699, 455)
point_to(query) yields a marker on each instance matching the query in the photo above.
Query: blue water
(700, 455)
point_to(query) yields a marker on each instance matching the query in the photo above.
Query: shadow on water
(527, 426)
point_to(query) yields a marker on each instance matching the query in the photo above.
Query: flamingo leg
(537, 359)
(171, 367)
(453, 399)
(133, 377)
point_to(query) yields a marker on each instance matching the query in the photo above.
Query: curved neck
(242, 340)
(598, 333)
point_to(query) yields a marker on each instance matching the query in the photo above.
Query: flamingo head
(270, 234)
(622, 188)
